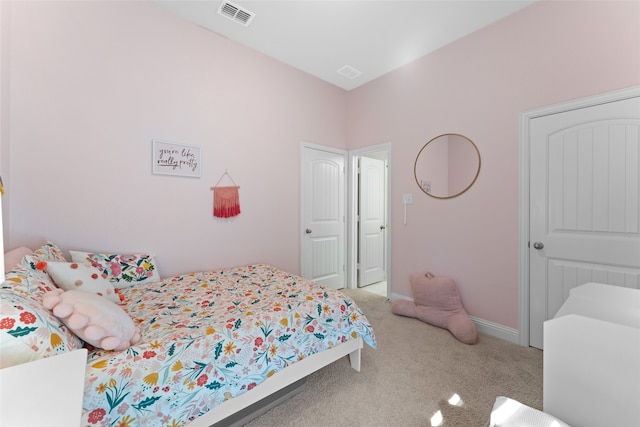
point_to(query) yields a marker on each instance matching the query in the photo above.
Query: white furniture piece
(507, 412)
(592, 358)
(45, 392)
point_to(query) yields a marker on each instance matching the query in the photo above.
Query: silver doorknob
(538, 245)
(382, 227)
(308, 231)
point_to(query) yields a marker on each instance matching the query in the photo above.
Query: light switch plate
(407, 199)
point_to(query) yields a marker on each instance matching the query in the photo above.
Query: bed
(213, 343)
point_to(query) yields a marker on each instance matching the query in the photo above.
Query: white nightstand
(46, 392)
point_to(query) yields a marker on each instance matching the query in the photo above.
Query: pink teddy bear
(93, 318)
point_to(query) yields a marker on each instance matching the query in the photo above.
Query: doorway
(579, 204)
(369, 213)
(322, 255)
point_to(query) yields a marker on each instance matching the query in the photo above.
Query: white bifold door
(584, 204)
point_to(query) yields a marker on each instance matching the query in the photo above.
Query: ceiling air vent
(236, 13)
(349, 72)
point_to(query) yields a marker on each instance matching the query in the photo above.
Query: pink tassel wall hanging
(226, 199)
(226, 202)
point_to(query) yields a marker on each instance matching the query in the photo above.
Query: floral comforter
(210, 336)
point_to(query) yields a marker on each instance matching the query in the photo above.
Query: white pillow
(82, 277)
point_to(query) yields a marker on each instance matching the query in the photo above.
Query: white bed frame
(281, 380)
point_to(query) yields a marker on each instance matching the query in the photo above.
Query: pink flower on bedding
(202, 379)
(27, 318)
(116, 270)
(96, 415)
(126, 372)
(7, 323)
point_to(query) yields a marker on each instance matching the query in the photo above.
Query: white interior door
(323, 222)
(372, 223)
(584, 204)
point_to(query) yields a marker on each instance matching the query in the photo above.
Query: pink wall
(92, 83)
(545, 54)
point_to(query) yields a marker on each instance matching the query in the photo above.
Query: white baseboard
(496, 330)
(483, 326)
(398, 296)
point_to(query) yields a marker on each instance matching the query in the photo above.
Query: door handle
(382, 227)
(308, 231)
(538, 245)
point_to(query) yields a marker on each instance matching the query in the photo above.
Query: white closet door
(584, 204)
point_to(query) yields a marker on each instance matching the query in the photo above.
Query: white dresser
(592, 358)
(46, 392)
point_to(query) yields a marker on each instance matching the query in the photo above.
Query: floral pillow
(125, 270)
(28, 283)
(48, 252)
(28, 331)
(15, 351)
(82, 277)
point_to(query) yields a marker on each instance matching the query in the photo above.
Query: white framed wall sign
(170, 158)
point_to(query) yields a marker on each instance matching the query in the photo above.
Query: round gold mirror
(447, 166)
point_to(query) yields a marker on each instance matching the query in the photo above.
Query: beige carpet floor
(411, 376)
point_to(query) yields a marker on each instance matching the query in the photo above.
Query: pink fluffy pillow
(93, 318)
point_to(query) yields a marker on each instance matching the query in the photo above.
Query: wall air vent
(349, 72)
(236, 13)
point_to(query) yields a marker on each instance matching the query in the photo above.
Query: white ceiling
(320, 37)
